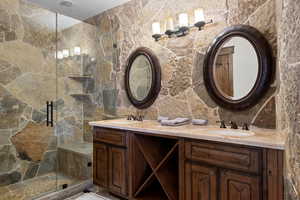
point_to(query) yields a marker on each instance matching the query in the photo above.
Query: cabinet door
(117, 170)
(239, 187)
(200, 182)
(100, 166)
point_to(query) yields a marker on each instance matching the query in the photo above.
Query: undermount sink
(124, 122)
(226, 132)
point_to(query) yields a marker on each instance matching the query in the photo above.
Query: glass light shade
(66, 53)
(77, 51)
(183, 19)
(170, 24)
(60, 55)
(199, 15)
(156, 28)
(85, 51)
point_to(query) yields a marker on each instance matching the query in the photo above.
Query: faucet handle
(245, 127)
(140, 118)
(222, 124)
(233, 125)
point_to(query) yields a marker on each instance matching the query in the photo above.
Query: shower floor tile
(35, 187)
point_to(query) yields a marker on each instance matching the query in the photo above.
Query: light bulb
(60, 55)
(77, 51)
(170, 24)
(66, 53)
(183, 19)
(199, 15)
(156, 28)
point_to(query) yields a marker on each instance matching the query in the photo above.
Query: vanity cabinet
(145, 166)
(200, 182)
(110, 161)
(235, 186)
(232, 172)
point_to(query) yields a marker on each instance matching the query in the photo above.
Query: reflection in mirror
(236, 68)
(140, 78)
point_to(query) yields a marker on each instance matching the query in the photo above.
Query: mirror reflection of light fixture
(77, 51)
(59, 55)
(183, 28)
(85, 52)
(66, 53)
(156, 31)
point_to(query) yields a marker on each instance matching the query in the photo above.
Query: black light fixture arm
(181, 31)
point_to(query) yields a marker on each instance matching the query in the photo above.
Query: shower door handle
(50, 113)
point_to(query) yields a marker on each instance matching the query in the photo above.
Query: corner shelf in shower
(80, 96)
(80, 77)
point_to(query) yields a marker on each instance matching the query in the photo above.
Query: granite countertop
(265, 138)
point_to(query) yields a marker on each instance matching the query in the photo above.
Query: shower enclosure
(50, 87)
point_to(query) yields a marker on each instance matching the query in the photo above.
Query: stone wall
(27, 81)
(127, 27)
(288, 97)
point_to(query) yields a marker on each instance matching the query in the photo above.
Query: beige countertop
(265, 138)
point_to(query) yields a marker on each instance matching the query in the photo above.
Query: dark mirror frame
(156, 78)
(265, 65)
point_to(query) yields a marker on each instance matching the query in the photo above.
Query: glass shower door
(76, 61)
(28, 147)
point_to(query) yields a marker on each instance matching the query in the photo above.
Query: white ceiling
(81, 9)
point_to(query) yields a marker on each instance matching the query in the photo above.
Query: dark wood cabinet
(201, 182)
(117, 170)
(110, 161)
(144, 166)
(100, 166)
(236, 186)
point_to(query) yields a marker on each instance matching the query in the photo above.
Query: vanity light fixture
(183, 25)
(156, 31)
(183, 19)
(184, 28)
(199, 18)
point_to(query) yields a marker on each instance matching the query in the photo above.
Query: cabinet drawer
(227, 156)
(110, 136)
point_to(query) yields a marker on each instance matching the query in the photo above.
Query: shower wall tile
(31, 142)
(27, 80)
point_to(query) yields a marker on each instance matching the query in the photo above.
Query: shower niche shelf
(155, 174)
(80, 96)
(80, 77)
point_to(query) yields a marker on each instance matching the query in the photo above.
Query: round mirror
(238, 67)
(142, 78)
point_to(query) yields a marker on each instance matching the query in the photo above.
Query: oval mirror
(238, 67)
(142, 78)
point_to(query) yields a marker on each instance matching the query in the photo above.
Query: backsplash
(183, 94)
